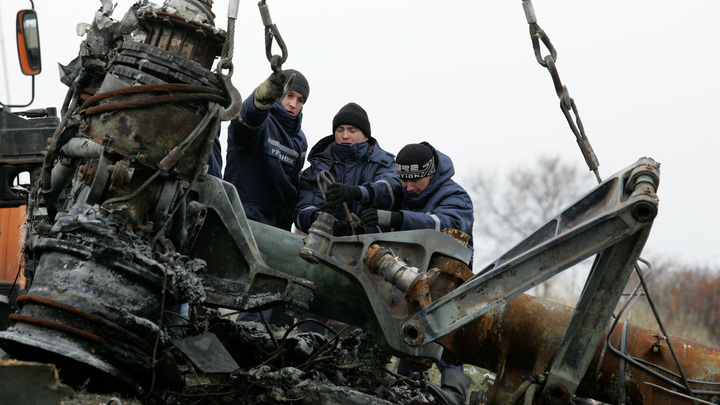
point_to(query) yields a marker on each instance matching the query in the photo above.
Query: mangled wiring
(328, 347)
(294, 326)
(269, 330)
(644, 365)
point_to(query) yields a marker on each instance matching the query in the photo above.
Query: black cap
(300, 85)
(352, 114)
(415, 161)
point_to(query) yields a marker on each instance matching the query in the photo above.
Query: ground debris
(297, 368)
(30, 383)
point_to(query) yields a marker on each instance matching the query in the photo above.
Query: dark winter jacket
(215, 162)
(266, 153)
(443, 204)
(363, 164)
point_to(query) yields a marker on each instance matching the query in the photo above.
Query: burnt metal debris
(131, 249)
(305, 368)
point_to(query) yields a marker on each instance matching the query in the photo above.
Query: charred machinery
(125, 227)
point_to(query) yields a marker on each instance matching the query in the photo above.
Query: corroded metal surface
(521, 338)
(597, 222)
(140, 227)
(179, 35)
(515, 340)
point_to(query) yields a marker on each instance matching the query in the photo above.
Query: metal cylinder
(520, 339)
(516, 340)
(89, 305)
(395, 270)
(335, 295)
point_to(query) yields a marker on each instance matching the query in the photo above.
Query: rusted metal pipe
(520, 339)
(516, 340)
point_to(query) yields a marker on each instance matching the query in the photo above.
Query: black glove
(338, 193)
(343, 227)
(375, 217)
(270, 91)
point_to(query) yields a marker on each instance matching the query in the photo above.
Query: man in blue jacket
(364, 174)
(431, 200)
(266, 150)
(266, 153)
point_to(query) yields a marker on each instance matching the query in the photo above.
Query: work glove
(376, 217)
(338, 193)
(343, 227)
(270, 91)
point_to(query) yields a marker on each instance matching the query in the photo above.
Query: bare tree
(687, 299)
(510, 206)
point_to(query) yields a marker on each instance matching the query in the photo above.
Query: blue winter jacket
(443, 204)
(266, 153)
(363, 164)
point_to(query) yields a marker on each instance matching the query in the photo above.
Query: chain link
(272, 33)
(233, 110)
(567, 104)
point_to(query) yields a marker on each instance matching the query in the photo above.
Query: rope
(324, 179)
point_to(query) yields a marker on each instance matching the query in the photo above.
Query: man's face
(416, 186)
(293, 103)
(349, 135)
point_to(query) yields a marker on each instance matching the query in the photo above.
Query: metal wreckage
(124, 226)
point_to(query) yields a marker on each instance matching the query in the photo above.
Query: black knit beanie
(415, 161)
(300, 85)
(352, 114)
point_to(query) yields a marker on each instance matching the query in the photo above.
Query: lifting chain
(566, 102)
(233, 110)
(271, 32)
(276, 61)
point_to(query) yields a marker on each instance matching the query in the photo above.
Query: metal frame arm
(237, 276)
(383, 301)
(599, 222)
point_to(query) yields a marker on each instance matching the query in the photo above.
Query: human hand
(270, 91)
(344, 227)
(376, 217)
(338, 193)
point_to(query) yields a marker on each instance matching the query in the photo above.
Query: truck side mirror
(28, 42)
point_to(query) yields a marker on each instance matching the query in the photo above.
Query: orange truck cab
(23, 139)
(11, 227)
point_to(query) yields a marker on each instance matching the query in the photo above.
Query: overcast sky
(463, 76)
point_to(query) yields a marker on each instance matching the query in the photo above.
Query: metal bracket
(613, 220)
(237, 276)
(387, 303)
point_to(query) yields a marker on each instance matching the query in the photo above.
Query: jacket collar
(323, 150)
